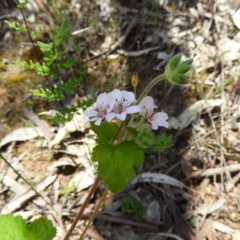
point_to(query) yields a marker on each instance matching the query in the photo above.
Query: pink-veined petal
(116, 95)
(110, 103)
(146, 106)
(127, 98)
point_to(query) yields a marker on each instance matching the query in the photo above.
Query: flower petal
(110, 116)
(98, 122)
(116, 95)
(132, 109)
(161, 115)
(93, 119)
(91, 113)
(159, 119)
(146, 106)
(127, 98)
(121, 116)
(154, 125)
(101, 99)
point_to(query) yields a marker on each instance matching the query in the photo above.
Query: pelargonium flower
(147, 111)
(104, 105)
(123, 101)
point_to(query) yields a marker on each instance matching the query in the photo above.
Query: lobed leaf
(130, 205)
(115, 163)
(162, 143)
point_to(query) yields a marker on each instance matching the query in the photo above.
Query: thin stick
(215, 171)
(91, 191)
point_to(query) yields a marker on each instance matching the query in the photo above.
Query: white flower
(147, 111)
(104, 105)
(122, 105)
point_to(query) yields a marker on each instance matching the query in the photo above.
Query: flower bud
(135, 79)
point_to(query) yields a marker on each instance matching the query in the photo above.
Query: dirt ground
(117, 39)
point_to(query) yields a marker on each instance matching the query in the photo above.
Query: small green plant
(54, 61)
(16, 26)
(65, 190)
(132, 206)
(120, 122)
(16, 228)
(53, 54)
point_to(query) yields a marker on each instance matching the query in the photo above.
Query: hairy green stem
(150, 86)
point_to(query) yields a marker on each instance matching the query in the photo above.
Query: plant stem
(91, 191)
(150, 86)
(95, 213)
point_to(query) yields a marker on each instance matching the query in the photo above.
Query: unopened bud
(135, 79)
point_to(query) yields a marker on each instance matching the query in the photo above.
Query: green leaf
(178, 78)
(162, 142)
(15, 228)
(66, 113)
(45, 47)
(65, 63)
(35, 34)
(187, 62)
(132, 206)
(22, 4)
(16, 26)
(41, 229)
(12, 228)
(116, 163)
(70, 85)
(143, 138)
(182, 68)
(174, 61)
(146, 139)
(105, 132)
(132, 131)
(59, 36)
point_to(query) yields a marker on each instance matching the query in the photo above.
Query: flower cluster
(118, 104)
